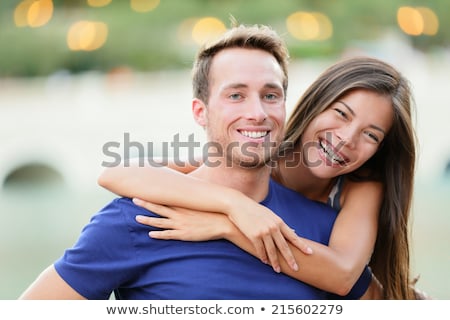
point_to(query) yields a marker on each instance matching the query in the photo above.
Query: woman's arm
(334, 268)
(351, 241)
(355, 229)
(162, 185)
(337, 267)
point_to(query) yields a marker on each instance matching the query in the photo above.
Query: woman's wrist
(228, 230)
(231, 201)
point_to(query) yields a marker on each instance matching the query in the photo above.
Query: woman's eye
(373, 137)
(341, 113)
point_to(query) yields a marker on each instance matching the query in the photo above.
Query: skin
(50, 286)
(353, 133)
(247, 96)
(351, 129)
(242, 111)
(246, 99)
(179, 223)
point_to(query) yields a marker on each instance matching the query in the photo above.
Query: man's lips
(254, 134)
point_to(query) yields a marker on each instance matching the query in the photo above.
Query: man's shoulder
(124, 206)
(119, 215)
(117, 204)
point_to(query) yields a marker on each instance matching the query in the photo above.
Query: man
(240, 84)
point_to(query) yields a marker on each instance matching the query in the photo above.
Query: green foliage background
(148, 41)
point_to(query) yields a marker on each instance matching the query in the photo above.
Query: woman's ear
(199, 111)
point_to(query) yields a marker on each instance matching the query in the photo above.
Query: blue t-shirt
(115, 254)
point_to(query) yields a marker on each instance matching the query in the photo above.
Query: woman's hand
(264, 229)
(184, 224)
(267, 232)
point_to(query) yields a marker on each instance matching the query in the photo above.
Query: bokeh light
(309, 26)
(87, 35)
(20, 13)
(144, 5)
(33, 13)
(417, 21)
(206, 29)
(98, 3)
(110, 67)
(184, 32)
(410, 21)
(431, 21)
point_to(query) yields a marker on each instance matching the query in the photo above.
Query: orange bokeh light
(87, 35)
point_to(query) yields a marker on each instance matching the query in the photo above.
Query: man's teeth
(254, 134)
(329, 151)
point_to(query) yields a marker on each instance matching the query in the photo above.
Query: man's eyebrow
(353, 113)
(236, 85)
(273, 86)
(243, 85)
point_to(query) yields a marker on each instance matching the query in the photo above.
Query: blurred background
(77, 76)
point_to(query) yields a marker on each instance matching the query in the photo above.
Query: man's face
(245, 114)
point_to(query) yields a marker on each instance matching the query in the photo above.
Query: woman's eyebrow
(353, 113)
(348, 107)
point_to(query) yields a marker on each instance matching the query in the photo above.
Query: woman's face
(344, 136)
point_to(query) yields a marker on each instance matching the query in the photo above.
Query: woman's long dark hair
(393, 164)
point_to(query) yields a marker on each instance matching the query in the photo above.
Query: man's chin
(255, 163)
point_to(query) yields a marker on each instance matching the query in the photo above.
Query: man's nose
(255, 110)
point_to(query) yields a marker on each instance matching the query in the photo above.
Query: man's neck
(253, 182)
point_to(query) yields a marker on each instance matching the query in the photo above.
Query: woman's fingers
(260, 250)
(161, 210)
(165, 235)
(272, 240)
(165, 212)
(293, 238)
(276, 240)
(161, 223)
(271, 251)
(268, 244)
(285, 250)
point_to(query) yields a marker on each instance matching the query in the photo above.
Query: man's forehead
(239, 67)
(245, 57)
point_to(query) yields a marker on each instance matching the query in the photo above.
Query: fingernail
(137, 201)
(309, 250)
(139, 218)
(295, 266)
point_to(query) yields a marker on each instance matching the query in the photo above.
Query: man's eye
(271, 96)
(236, 96)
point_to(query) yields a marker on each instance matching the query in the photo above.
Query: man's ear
(199, 111)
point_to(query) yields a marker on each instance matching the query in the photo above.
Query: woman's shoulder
(352, 188)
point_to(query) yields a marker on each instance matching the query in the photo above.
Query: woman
(349, 143)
